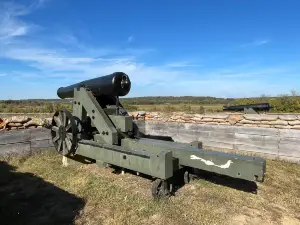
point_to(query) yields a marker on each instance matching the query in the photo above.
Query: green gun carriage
(101, 130)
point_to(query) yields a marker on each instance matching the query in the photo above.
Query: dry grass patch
(40, 191)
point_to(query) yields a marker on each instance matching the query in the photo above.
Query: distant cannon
(101, 130)
(250, 108)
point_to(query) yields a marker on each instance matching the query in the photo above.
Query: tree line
(283, 103)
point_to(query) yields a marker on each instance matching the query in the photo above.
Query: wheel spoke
(54, 128)
(69, 126)
(59, 145)
(69, 143)
(70, 136)
(62, 117)
(56, 138)
(66, 120)
(57, 121)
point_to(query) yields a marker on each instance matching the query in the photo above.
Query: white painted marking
(210, 163)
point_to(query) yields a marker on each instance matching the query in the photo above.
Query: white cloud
(63, 65)
(11, 24)
(55, 62)
(256, 43)
(130, 39)
(261, 42)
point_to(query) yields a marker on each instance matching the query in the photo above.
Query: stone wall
(33, 115)
(274, 136)
(280, 121)
(271, 143)
(24, 141)
(23, 122)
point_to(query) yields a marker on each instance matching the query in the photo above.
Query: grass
(38, 190)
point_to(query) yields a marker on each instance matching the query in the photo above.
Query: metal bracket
(86, 103)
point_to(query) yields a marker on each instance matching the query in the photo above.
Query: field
(189, 104)
(179, 107)
(38, 190)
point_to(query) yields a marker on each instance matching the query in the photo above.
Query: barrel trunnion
(100, 129)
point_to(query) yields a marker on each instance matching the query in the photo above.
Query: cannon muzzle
(116, 84)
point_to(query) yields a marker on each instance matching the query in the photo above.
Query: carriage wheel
(161, 189)
(64, 132)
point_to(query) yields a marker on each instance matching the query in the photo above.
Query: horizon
(126, 97)
(171, 48)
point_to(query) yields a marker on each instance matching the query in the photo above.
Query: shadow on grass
(238, 184)
(178, 181)
(27, 199)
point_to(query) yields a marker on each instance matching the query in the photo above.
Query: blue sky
(216, 48)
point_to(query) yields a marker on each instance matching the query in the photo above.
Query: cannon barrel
(259, 106)
(115, 84)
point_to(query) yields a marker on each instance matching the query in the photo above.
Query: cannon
(101, 131)
(116, 84)
(250, 108)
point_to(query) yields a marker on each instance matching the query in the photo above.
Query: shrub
(48, 108)
(168, 108)
(201, 110)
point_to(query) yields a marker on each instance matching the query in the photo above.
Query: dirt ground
(39, 190)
